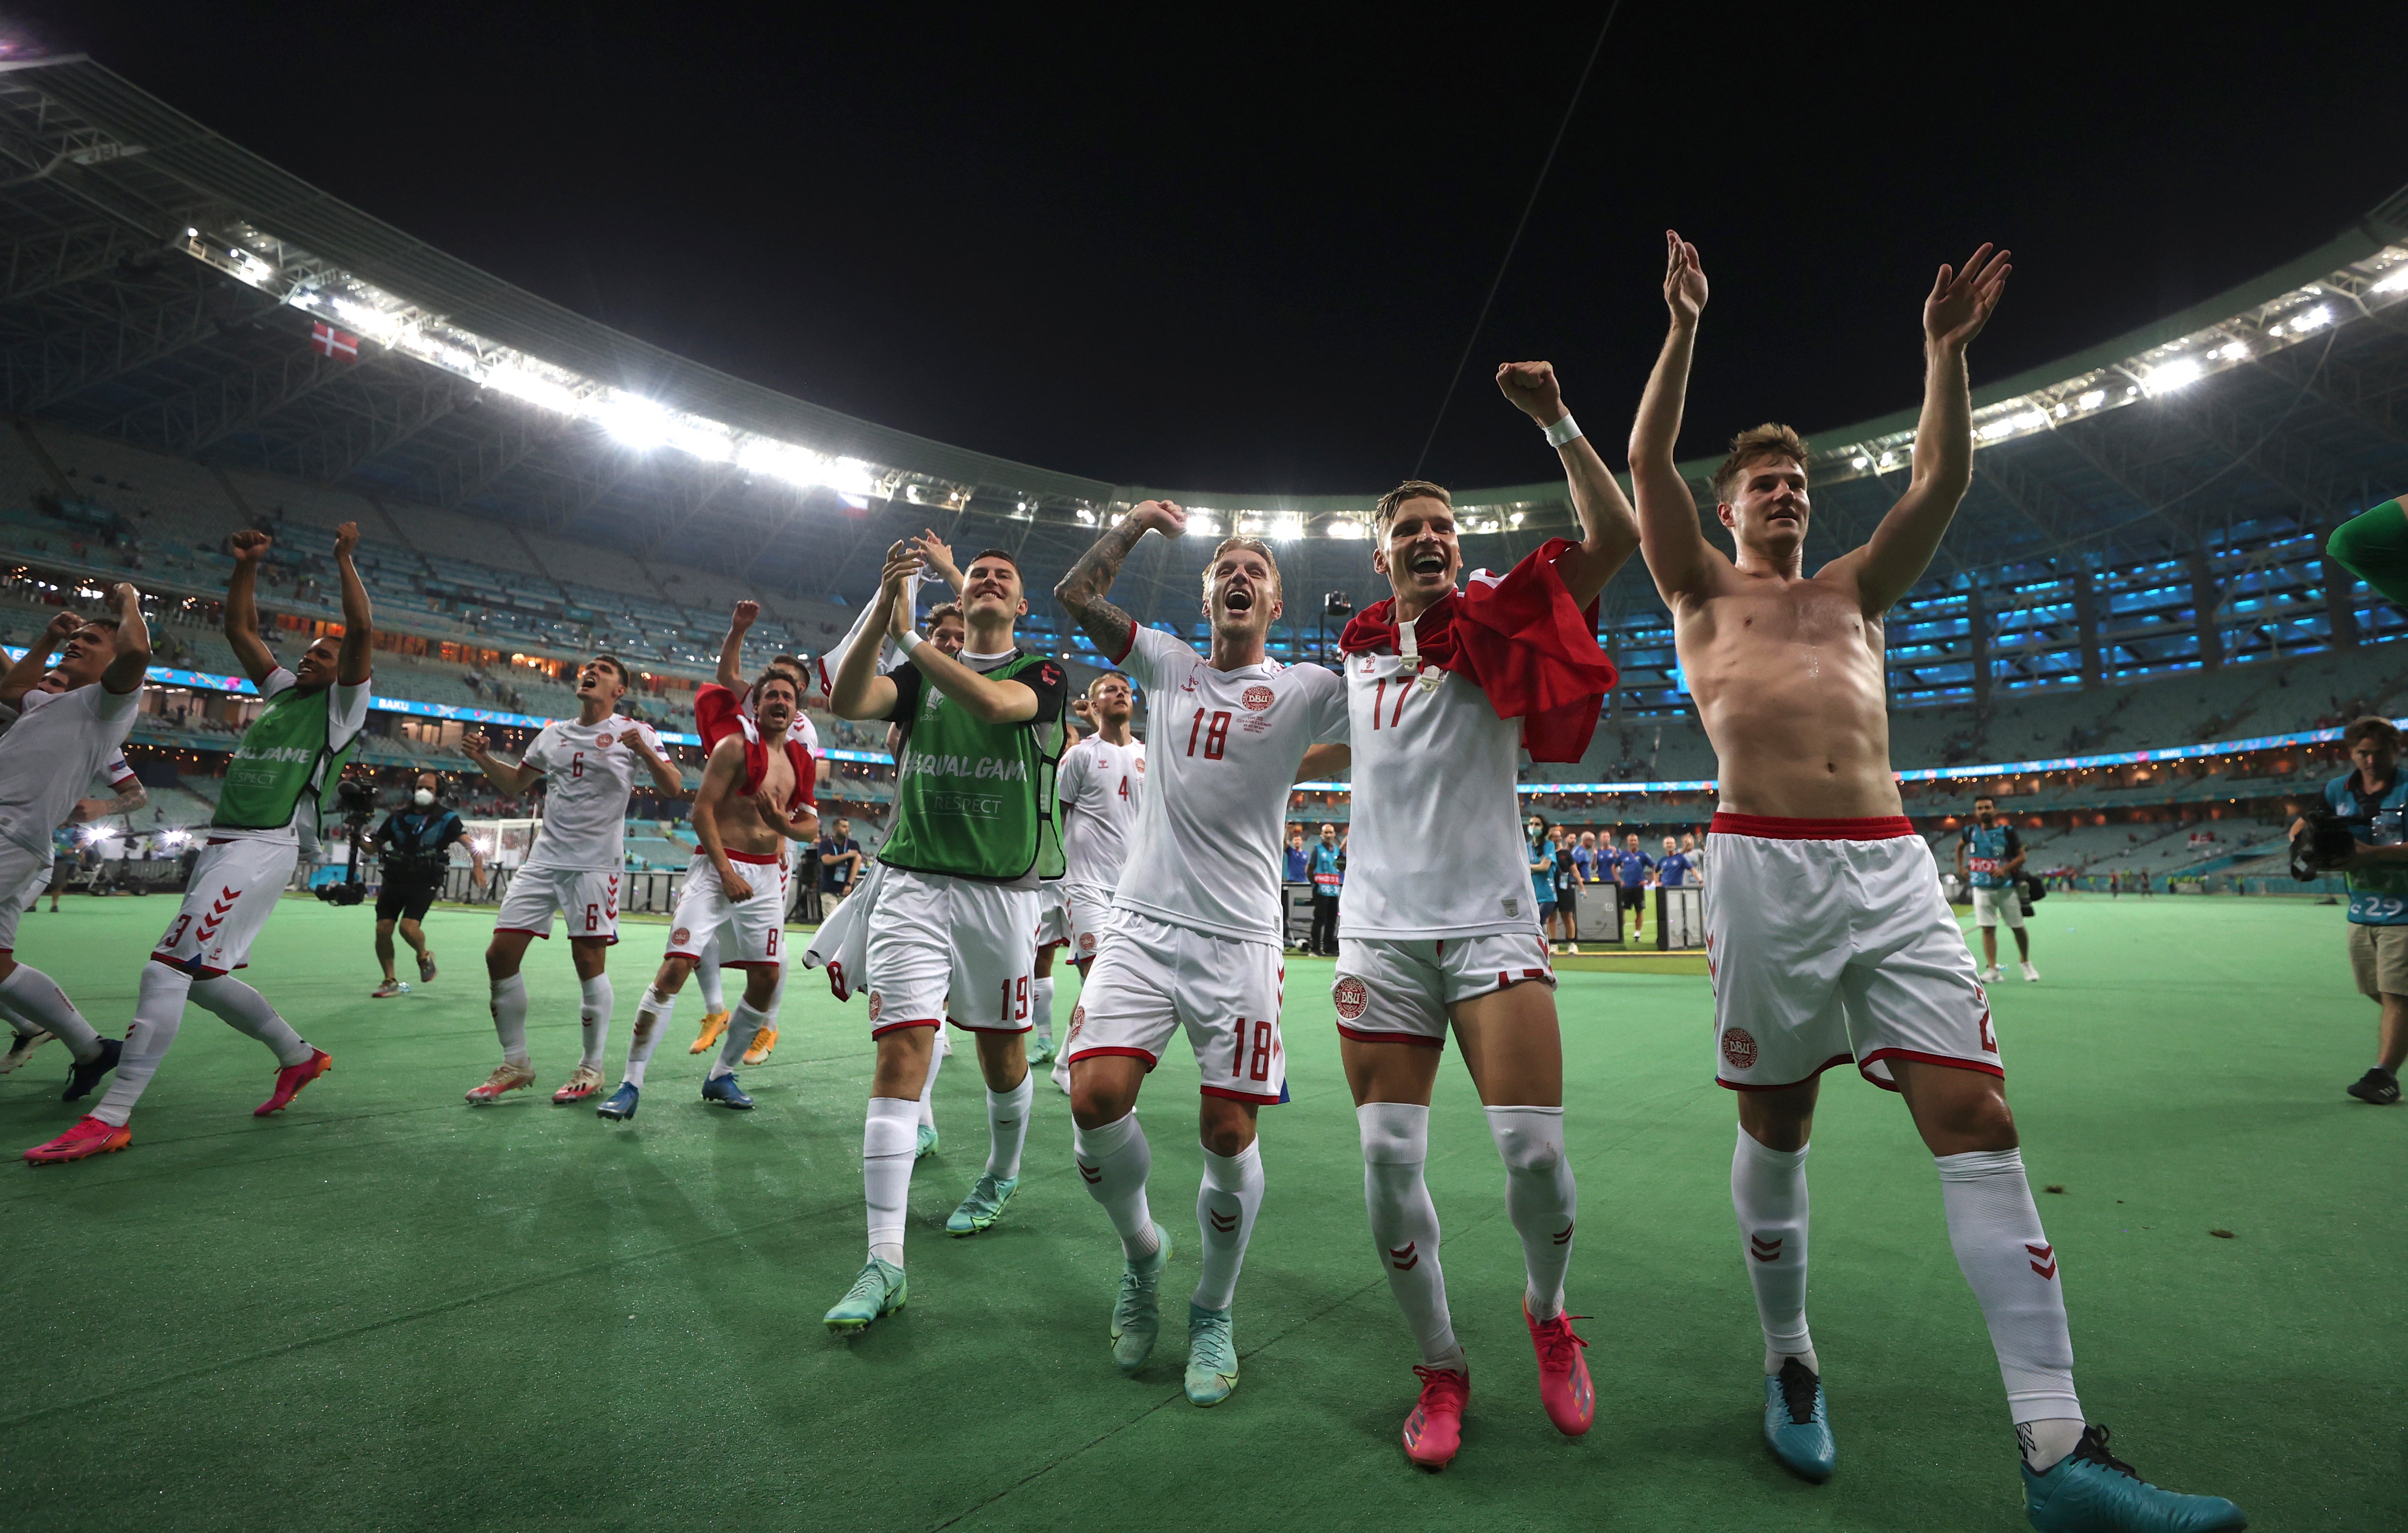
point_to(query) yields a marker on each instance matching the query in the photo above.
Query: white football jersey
(1211, 824)
(1435, 847)
(59, 740)
(1102, 782)
(589, 773)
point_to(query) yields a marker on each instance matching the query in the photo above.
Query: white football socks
(246, 1010)
(1226, 1206)
(158, 1011)
(1539, 1197)
(2012, 1267)
(937, 1058)
(1007, 1127)
(706, 974)
(1768, 1194)
(743, 1024)
(653, 1019)
(593, 1017)
(887, 1140)
(1404, 1223)
(510, 1018)
(31, 994)
(1040, 1008)
(1114, 1162)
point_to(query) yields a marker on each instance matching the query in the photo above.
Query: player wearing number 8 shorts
(1444, 690)
(1195, 939)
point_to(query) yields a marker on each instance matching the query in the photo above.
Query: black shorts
(408, 897)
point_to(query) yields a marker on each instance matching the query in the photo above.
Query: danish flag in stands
(339, 344)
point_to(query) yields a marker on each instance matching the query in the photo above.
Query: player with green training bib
(953, 934)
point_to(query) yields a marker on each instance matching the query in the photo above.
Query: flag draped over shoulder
(1518, 638)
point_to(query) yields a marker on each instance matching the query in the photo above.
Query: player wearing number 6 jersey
(1195, 937)
(1444, 689)
(588, 768)
(953, 934)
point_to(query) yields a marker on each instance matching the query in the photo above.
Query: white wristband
(1563, 431)
(908, 640)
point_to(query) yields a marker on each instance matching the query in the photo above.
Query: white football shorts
(234, 890)
(956, 950)
(842, 942)
(1830, 941)
(1090, 908)
(1397, 989)
(585, 899)
(1152, 978)
(751, 932)
(1052, 914)
(1992, 906)
(27, 872)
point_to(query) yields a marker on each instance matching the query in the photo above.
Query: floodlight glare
(2393, 283)
(2092, 399)
(2179, 373)
(1343, 526)
(1287, 526)
(634, 421)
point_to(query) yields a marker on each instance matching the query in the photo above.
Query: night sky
(1245, 254)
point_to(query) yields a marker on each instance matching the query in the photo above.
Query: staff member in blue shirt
(1672, 868)
(2371, 800)
(1539, 851)
(417, 846)
(1328, 873)
(1299, 860)
(1631, 866)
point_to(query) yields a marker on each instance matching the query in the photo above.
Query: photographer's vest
(283, 755)
(975, 800)
(2378, 894)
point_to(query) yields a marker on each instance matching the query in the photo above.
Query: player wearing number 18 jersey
(1194, 941)
(1444, 689)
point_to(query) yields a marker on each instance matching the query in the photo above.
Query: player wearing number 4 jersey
(1444, 689)
(587, 766)
(1829, 940)
(953, 934)
(1194, 937)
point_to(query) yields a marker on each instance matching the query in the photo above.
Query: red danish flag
(2043, 1253)
(339, 344)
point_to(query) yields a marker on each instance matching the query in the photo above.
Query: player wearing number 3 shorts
(1444, 689)
(1828, 936)
(1194, 942)
(587, 766)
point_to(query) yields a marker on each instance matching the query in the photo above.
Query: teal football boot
(1137, 1313)
(1211, 1355)
(1797, 1427)
(2091, 1491)
(879, 1290)
(984, 1206)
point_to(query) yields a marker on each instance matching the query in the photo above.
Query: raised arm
(1678, 555)
(665, 776)
(1081, 591)
(938, 555)
(512, 778)
(857, 691)
(1901, 549)
(1609, 530)
(125, 673)
(242, 608)
(359, 636)
(27, 672)
(731, 648)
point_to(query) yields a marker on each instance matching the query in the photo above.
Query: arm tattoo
(1081, 591)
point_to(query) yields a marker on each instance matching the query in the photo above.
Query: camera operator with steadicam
(416, 841)
(2361, 832)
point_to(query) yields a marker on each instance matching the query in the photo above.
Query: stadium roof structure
(161, 285)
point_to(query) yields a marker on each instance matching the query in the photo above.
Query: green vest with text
(976, 800)
(283, 755)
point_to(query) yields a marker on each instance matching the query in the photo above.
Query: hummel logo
(1564, 1236)
(1405, 1258)
(2043, 1253)
(1092, 1173)
(1764, 1250)
(1223, 1223)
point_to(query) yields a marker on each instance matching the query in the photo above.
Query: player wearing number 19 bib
(1444, 689)
(1195, 936)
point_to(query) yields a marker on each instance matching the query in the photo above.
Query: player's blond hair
(1757, 444)
(1254, 544)
(1385, 511)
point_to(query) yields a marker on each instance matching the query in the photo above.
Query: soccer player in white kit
(1100, 781)
(1831, 941)
(1194, 941)
(295, 746)
(29, 1033)
(1444, 689)
(62, 734)
(588, 768)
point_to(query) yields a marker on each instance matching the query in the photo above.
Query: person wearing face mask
(416, 842)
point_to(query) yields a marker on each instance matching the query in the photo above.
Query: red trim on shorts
(1777, 827)
(898, 1027)
(759, 858)
(1813, 1074)
(968, 1028)
(1226, 1095)
(1150, 1060)
(182, 967)
(752, 963)
(1919, 1057)
(529, 931)
(1376, 1036)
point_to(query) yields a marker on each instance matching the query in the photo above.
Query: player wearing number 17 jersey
(1195, 935)
(1444, 689)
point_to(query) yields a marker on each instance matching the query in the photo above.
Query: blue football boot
(621, 1105)
(1797, 1427)
(2091, 1491)
(82, 1077)
(723, 1090)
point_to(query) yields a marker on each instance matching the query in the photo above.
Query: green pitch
(384, 1308)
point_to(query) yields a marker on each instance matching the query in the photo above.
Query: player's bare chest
(1804, 615)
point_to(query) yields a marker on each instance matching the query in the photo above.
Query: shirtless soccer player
(755, 796)
(1196, 940)
(293, 747)
(953, 934)
(59, 738)
(1101, 783)
(587, 766)
(1831, 939)
(1444, 690)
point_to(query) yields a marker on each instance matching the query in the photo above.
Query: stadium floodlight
(1203, 524)
(2091, 399)
(1343, 527)
(1287, 527)
(704, 439)
(2179, 373)
(532, 387)
(633, 421)
(2396, 282)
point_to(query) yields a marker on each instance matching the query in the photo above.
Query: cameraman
(417, 845)
(2369, 803)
